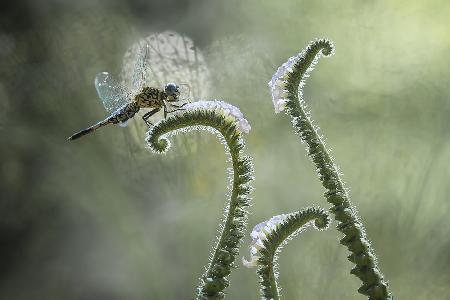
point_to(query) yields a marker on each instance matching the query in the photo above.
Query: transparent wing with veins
(167, 57)
(156, 60)
(139, 73)
(111, 92)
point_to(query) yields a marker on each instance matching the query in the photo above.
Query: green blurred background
(89, 220)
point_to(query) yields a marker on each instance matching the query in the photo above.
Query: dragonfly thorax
(150, 97)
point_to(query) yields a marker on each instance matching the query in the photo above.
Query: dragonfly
(123, 104)
(171, 57)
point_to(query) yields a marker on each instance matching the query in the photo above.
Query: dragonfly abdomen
(124, 113)
(121, 115)
(89, 129)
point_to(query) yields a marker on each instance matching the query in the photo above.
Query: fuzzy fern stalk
(268, 239)
(286, 88)
(228, 123)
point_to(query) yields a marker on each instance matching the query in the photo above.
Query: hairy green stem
(291, 225)
(214, 280)
(374, 286)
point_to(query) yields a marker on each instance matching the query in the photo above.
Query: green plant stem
(374, 286)
(292, 225)
(214, 280)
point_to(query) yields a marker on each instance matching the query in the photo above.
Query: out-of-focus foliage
(85, 220)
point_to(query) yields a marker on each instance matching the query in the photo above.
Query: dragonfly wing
(111, 92)
(161, 58)
(168, 57)
(178, 60)
(140, 68)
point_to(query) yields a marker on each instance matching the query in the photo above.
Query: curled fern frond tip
(158, 146)
(228, 124)
(282, 83)
(230, 119)
(269, 236)
(325, 44)
(287, 94)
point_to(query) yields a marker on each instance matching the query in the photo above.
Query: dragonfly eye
(172, 90)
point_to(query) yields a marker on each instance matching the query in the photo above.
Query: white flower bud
(259, 234)
(230, 112)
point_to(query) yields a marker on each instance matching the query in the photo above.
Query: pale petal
(249, 263)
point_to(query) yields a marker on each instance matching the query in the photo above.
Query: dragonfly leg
(165, 110)
(179, 106)
(148, 115)
(174, 110)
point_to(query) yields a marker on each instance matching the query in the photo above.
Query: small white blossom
(281, 105)
(259, 234)
(278, 83)
(229, 111)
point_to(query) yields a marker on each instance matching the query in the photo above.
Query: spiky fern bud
(286, 88)
(268, 239)
(228, 123)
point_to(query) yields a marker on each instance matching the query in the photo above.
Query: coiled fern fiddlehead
(228, 123)
(268, 239)
(286, 88)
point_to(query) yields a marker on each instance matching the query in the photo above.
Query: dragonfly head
(172, 91)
